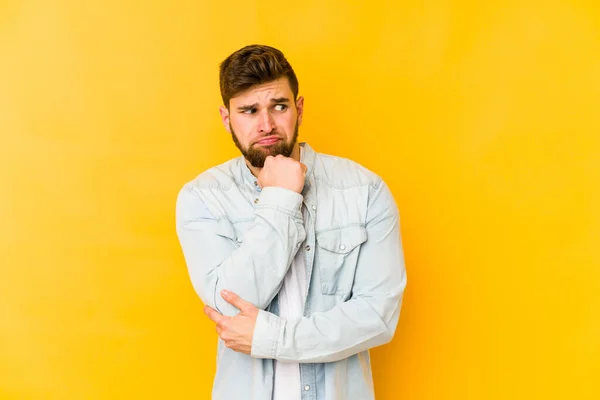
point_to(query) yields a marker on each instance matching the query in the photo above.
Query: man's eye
(280, 107)
(250, 111)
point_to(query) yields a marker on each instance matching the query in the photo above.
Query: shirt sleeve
(368, 319)
(253, 268)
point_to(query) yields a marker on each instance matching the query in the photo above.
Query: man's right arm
(254, 268)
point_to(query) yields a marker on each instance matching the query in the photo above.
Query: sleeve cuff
(281, 199)
(266, 335)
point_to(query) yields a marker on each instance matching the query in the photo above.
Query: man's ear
(300, 109)
(225, 117)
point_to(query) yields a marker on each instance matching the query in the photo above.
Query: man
(297, 255)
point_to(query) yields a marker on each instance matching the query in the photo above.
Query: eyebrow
(280, 100)
(248, 107)
(277, 100)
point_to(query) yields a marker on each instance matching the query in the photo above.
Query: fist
(284, 172)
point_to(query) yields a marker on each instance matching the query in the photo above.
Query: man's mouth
(268, 140)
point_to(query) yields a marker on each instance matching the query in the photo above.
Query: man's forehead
(265, 92)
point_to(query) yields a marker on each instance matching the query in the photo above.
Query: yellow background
(483, 117)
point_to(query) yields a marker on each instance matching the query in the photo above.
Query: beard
(256, 155)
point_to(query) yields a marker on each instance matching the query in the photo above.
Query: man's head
(261, 108)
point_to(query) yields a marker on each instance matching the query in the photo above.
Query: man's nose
(266, 123)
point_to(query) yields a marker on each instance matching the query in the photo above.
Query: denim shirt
(237, 237)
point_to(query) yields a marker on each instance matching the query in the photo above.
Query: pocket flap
(342, 240)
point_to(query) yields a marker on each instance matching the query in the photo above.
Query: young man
(296, 254)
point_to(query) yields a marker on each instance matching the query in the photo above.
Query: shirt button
(306, 387)
(255, 201)
(307, 248)
(342, 247)
(239, 240)
(314, 208)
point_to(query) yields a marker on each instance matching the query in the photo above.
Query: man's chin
(258, 152)
(270, 150)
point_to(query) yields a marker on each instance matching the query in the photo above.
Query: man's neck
(296, 152)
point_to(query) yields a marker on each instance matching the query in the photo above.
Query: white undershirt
(291, 306)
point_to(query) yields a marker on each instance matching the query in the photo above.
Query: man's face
(264, 120)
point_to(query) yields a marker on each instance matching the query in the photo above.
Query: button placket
(308, 381)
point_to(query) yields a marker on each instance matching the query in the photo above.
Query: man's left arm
(368, 319)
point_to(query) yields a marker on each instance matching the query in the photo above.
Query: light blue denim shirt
(237, 237)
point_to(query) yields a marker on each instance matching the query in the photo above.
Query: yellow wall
(483, 117)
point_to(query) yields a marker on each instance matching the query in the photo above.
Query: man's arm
(366, 320)
(255, 270)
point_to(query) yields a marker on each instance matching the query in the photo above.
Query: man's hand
(237, 332)
(282, 172)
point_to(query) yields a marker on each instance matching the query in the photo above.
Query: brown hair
(254, 65)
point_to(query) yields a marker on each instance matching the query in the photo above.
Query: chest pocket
(337, 253)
